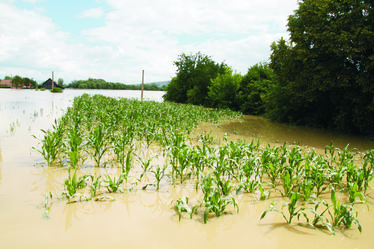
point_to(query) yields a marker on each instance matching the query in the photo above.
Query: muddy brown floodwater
(143, 219)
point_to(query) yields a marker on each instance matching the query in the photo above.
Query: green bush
(56, 90)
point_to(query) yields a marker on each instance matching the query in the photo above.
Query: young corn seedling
(113, 184)
(47, 205)
(294, 210)
(97, 142)
(216, 204)
(213, 201)
(123, 143)
(343, 214)
(75, 147)
(319, 220)
(73, 184)
(354, 192)
(96, 184)
(307, 187)
(51, 144)
(249, 185)
(146, 165)
(183, 207)
(288, 183)
(264, 193)
(159, 173)
(224, 185)
(273, 171)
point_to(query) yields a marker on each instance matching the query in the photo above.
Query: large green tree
(326, 72)
(17, 81)
(254, 88)
(223, 90)
(194, 74)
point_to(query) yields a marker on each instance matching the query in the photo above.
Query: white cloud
(152, 33)
(91, 13)
(141, 34)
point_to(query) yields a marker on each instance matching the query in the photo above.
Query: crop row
(118, 132)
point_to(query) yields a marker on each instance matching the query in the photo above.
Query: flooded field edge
(139, 214)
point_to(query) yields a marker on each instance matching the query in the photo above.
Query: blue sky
(116, 39)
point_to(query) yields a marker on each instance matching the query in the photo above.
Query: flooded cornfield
(37, 210)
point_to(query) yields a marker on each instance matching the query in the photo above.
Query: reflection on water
(141, 219)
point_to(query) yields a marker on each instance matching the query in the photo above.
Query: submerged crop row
(152, 145)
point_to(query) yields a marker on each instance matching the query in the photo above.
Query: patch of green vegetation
(56, 90)
(112, 132)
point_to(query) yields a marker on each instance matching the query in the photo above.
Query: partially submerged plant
(47, 204)
(183, 207)
(113, 184)
(73, 184)
(294, 210)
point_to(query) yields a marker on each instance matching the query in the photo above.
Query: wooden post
(142, 84)
(52, 79)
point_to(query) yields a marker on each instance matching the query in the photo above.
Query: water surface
(141, 219)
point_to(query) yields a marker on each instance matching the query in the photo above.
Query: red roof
(5, 83)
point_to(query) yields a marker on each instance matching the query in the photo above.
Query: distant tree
(194, 74)
(26, 81)
(60, 82)
(7, 78)
(17, 81)
(34, 84)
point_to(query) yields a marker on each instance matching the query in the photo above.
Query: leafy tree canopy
(194, 74)
(223, 89)
(326, 71)
(254, 89)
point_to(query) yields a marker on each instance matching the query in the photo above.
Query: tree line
(18, 81)
(90, 83)
(102, 84)
(322, 77)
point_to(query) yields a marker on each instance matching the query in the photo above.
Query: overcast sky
(116, 39)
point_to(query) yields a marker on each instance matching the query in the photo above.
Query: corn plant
(354, 192)
(97, 142)
(96, 184)
(264, 193)
(47, 205)
(223, 184)
(294, 210)
(216, 204)
(213, 201)
(73, 184)
(306, 186)
(51, 143)
(288, 182)
(319, 220)
(343, 214)
(75, 147)
(113, 184)
(146, 165)
(159, 173)
(123, 143)
(183, 207)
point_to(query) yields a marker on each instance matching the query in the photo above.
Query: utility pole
(142, 84)
(52, 79)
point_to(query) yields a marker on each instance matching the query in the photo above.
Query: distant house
(48, 84)
(5, 84)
